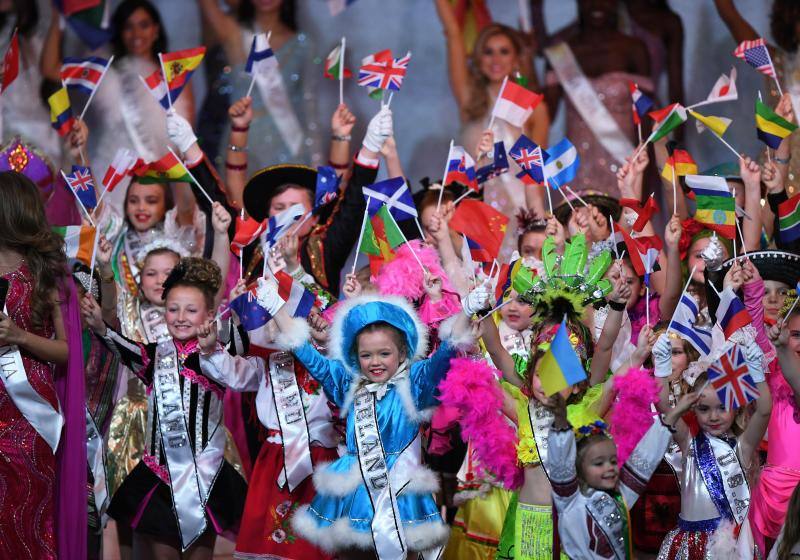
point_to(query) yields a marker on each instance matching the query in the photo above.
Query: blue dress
(341, 514)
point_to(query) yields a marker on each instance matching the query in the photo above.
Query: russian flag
(731, 313)
(83, 74)
(641, 103)
(299, 300)
(461, 168)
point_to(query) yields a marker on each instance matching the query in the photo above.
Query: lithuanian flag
(78, 242)
(60, 112)
(771, 127)
(381, 236)
(178, 68)
(165, 170)
(789, 219)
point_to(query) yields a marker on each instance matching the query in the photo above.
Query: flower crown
(566, 287)
(596, 428)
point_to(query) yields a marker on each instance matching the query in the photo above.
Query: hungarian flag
(716, 208)
(11, 62)
(61, 112)
(718, 125)
(643, 213)
(334, 64)
(480, 223)
(247, 231)
(515, 104)
(165, 170)
(771, 127)
(669, 118)
(381, 236)
(679, 163)
(179, 67)
(89, 19)
(789, 219)
(78, 242)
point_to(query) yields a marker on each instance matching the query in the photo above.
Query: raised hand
(342, 121)
(352, 287)
(241, 112)
(220, 218)
(773, 177)
(180, 131)
(92, 314)
(672, 233)
(432, 285)
(207, 337)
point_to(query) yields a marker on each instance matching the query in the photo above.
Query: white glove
(754, 357)
(267, 295)
(662, 356)
(180, 132)
(476, 300)
(378, 130)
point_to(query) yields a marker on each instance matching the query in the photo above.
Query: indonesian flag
(515, 104)
(120, 167)
(11, 62)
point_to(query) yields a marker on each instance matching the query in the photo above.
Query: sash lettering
(723, 476)
(96, 453)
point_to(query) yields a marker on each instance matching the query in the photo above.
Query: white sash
(541, 420)
(585, 99)
(46, 420)
(297, 464)
(95, 452)
(175, 442)
(605, 513)
(734, 480)
(387, 528)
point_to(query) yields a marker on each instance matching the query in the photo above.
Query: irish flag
(515, 103)
(165, 170)
(78, 242)
(789, 219)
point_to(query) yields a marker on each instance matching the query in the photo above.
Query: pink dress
(28, 466)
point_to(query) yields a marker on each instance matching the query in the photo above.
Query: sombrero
(608, 205)
(260, 189)
(779, 266)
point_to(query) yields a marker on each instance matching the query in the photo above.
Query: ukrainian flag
(771, 127)
(60, 111)
(178, 68)
(560, 367)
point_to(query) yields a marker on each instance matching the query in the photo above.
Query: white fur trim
(403, 388)
(335, 350)
(299, 335)
(461, 339)
(722, 542)
(421, 480)
(340, 535)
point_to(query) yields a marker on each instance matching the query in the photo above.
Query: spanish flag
(560, 367)
(178, 68)
(771, 127)
(165, 170)
(78, 242)
(61, 112)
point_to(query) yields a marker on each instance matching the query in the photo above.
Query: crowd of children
(214, 363)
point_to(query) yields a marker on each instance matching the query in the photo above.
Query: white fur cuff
(296, 337)
(460, 339)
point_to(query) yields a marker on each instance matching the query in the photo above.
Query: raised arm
(501, 359)
(672, 274)
(342, 123)
(751, 228)
(440, 232)
(456, 53)
(787, 358)
(241, 114)
(601, 359)
(737, 25)
(225, 27)
(50, 58)
(757, 425)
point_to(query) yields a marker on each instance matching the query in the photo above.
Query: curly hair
(194, 272)
(783, 24)
(478, 105)
(24, 228)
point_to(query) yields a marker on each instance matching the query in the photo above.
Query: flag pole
(96, 87)
(639, 130)
(189, 173)
(774, 74)
(561, 191)
(463, 196)
(674, 186)
(419, 227)
(614, 243)
(88, 217)
(444, 175)
(361, 234)
(341, 72)
(389, 101)
(647, 304)
(738, 229)
(685, 287)
(410, 248)
(93, 259)
(731, 148)
(166, 81)
(499, 95)
(576, 195)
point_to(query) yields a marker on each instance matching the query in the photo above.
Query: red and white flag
(11, 62)
(121, 166)
(515, 103)
(724, 89)
(83, 74)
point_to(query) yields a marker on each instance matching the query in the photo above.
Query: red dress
(27, 464)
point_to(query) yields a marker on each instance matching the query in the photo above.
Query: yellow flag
(718, 125)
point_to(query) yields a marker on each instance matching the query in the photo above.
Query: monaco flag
(515, 103)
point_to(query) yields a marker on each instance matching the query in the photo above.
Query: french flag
(461, 168)
(641, 103)
(83, 74)
(299, 300)
(731, 313)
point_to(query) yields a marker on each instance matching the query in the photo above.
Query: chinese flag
(481, 223)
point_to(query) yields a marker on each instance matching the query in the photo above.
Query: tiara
(596, 428)
(162, 242)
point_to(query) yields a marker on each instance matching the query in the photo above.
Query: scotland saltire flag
(561, 164)
(261, 57)
(497, 167)
(683, 324)
(530, 157)
(251, 315)
(395, 194)
(730, 378)
(278, 225)
(82, 184)
(327, 188)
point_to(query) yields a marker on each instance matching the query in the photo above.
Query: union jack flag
(529, 157)
(82, 184)
(730, 378)
(755, 54)
(387, 74)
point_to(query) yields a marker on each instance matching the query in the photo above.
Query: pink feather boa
(403, 276)
(471, 388)
(631, 415)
